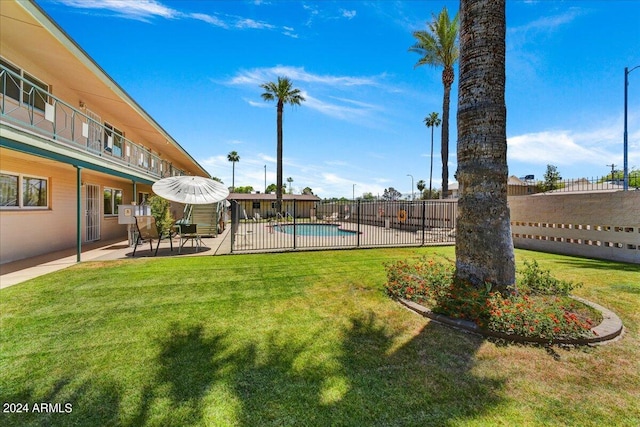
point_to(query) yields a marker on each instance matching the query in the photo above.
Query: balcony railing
(25, 105)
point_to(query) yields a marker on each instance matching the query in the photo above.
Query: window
(9, 190)
(256, 205)
(112, 198)
(142, 198)
(22, 191)
(34, 92)
(113, 140)
(10, 84)
(34, 191)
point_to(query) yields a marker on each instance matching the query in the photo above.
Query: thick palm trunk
(484, 246)
(279, 159)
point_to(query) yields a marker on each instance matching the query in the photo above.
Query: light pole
(353, 191)
(265, 179)
(412, 196)
(626, 149)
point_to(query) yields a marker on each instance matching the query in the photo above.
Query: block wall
(594, 225)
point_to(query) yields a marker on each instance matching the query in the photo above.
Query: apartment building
(73, 144)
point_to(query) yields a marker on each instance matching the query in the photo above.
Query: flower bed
(541, 308)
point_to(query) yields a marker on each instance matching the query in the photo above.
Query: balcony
(25, 105)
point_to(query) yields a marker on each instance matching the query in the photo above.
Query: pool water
(318, 230)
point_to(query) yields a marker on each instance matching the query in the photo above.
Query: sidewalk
(20, 271)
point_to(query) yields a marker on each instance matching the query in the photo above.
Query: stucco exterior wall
(31, 232)
(603, 225)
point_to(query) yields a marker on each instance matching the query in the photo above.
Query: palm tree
(290, 180)
(484, 246)
(438, 48)
(233, 157)
(284, 93)
(420, 185)
(432, 120)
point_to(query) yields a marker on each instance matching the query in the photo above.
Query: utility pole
(613, 169)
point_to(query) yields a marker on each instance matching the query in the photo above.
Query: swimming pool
(317, 230)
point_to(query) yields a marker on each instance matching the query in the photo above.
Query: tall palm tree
(289, 180)
(233, 157)
(438, 47)
(432, 120)
(284, 93)
(420, 185)
(484, 246)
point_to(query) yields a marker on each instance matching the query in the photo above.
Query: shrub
(160, 210)
(542, 308)
(424, 281)
(535, 281)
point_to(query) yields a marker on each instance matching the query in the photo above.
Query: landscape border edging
(607, 331)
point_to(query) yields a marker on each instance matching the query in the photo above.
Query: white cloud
(256, 25)
(258, 104)
(131, 9)
(258, 76)
(524, 61)
(534, 31)
(548, 23)
(337, 111)
(290, 33)
(566, 147)
(349, 14)
(145, 9)
(341, 163)
(209, 19)
(340, 107)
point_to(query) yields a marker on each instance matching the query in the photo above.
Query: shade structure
(192, 190)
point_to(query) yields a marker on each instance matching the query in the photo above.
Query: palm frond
(438, 45)
(283, 91)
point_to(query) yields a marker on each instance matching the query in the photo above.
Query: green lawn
(304, 339)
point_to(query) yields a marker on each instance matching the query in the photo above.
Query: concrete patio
(19, 271)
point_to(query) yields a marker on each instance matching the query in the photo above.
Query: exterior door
(92, 213)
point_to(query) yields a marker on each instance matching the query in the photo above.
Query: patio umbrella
(192, 190)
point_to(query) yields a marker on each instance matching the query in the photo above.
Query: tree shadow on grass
(596, 264)
(188, 364)
(425, 381)
(90, 402)
(375, 377)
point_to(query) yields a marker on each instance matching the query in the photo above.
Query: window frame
(33, 83)
(15, 86)
(143, 197)
(20, 193)
(117, 147)
(113, 204)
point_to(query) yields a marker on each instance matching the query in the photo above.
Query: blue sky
(196, 67)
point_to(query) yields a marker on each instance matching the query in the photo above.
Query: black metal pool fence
(310, 224)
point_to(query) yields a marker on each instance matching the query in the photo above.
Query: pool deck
(254, 237)
(20, 271)
(251, 237)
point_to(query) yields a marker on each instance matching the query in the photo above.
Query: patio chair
(188, 232)
(331, 218)
(147, 230)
